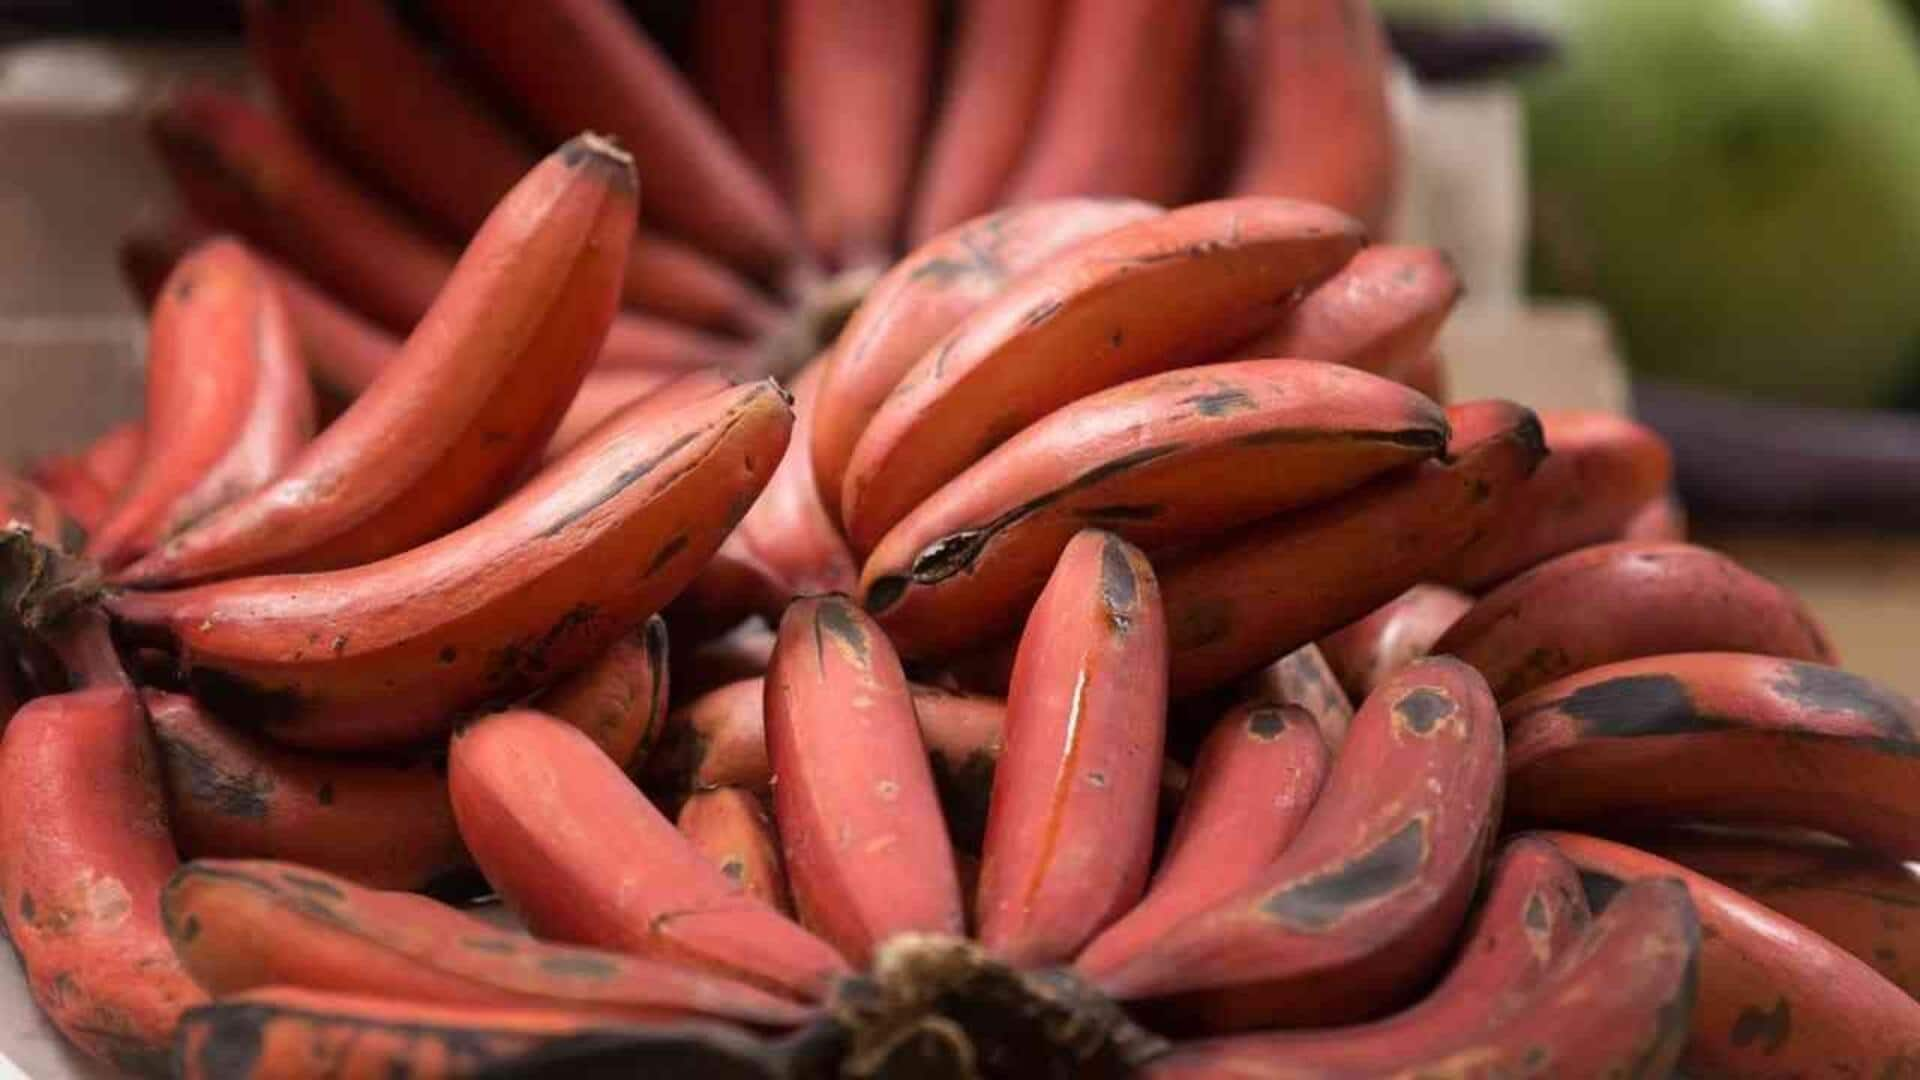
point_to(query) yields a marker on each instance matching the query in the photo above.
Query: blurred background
(1703, 211)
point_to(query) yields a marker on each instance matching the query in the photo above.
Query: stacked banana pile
(1111, 657)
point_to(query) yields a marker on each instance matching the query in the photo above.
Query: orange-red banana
(1532, 915)
(856, 76)
(356, 80)
(607, 391)
(1380, 313)
(583, 857)
(1070, 828)
(229, 405)
(1364, 653)
(1322, 127)
(1360, 908)
(282, 1033)
(383, 823)
(243, 925)
(620, 699)
(913, 305)
(582, 65)
(1726, 738)
(993, 85)
(84, 853)
(457, 417)
(1253, 784)
(84, 484)
(1143, 298)
(866, 847)
(734, 61)
(1267, 589)
(1602, 468)
(343, 349)
(1867, 905)
(730, 828)
(788, 532)
(1163, 461)
(1123, 107)
(1774, 999)
(385, 654)
(1624, 601)
(242, 169)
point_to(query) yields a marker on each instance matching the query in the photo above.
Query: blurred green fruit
(1738, 180)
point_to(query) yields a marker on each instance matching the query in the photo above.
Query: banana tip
(589, 148)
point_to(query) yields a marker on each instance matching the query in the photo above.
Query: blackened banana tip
(589, 149)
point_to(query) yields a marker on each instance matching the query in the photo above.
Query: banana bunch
(1110, 657)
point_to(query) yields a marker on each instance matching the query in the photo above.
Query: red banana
(1364, 653)
(620, 699)
(83, 485)
(730, 828)
(1380, 313)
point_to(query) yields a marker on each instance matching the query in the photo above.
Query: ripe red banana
(1070, 828)
(229, 405)
(1143, 298)
(583, 857)
(996, 76)
(84, 853)
(866, 848)
(1322, 127)
(1380, 313)
(1267, 589)
(1360, 908)
(1602, 469)
(457, 417)
(1253, 784)
(857, 77)
(1774, 998)
(1364, 653)
(1624, 601)
(340, 67)
(607, 391)
(1164, 461)
(387, 653)
(582, 65)
(1122, 111)
(243, 925)
(924, 296)
(620, 699)
(1532, 916)
(1867, 905)
(383, 823)
(735, 64)
(1720, 737)
(730, 828)
(788, 532)
(83, 485)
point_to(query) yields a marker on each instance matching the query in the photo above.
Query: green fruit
(1738, 180)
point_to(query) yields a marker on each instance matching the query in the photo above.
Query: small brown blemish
(834, 617)
(1041, 313)
(1222, 402)
(448, 654)
(1768, 1028)
(673, 547)
(189, 928)
(1422, 709)
(339, 644)
(316, 886)
(733, 869)
(1119, 586)
(1266, 722)
(581, 964)
(325, 794)
(885, 592)
(496, 945)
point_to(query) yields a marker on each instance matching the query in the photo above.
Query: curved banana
(606, 391)
(1380, 313)
(788, 533)
(1070, 828)
(1157, 294)
(1402, 630)
(619, 699)
(385, 654)
(730, 828)
(1169, 460)
(1727, 738)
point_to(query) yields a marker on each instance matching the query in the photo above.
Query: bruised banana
(249, 925)
(730, 828)
(924, 296)
(386, 654)
(583, 857)
(1157, 294)
(1380, 313)
(459, 414)
(1774, 998)
(84, 854)
(1163, 461)
(1360, 908)
(382, 823)
(1069, 835)
(867, 851)
(1624, 601)
(1402, 630)
(1531, 917)
(229, 405)
(1273, 586)
(1725, 738)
